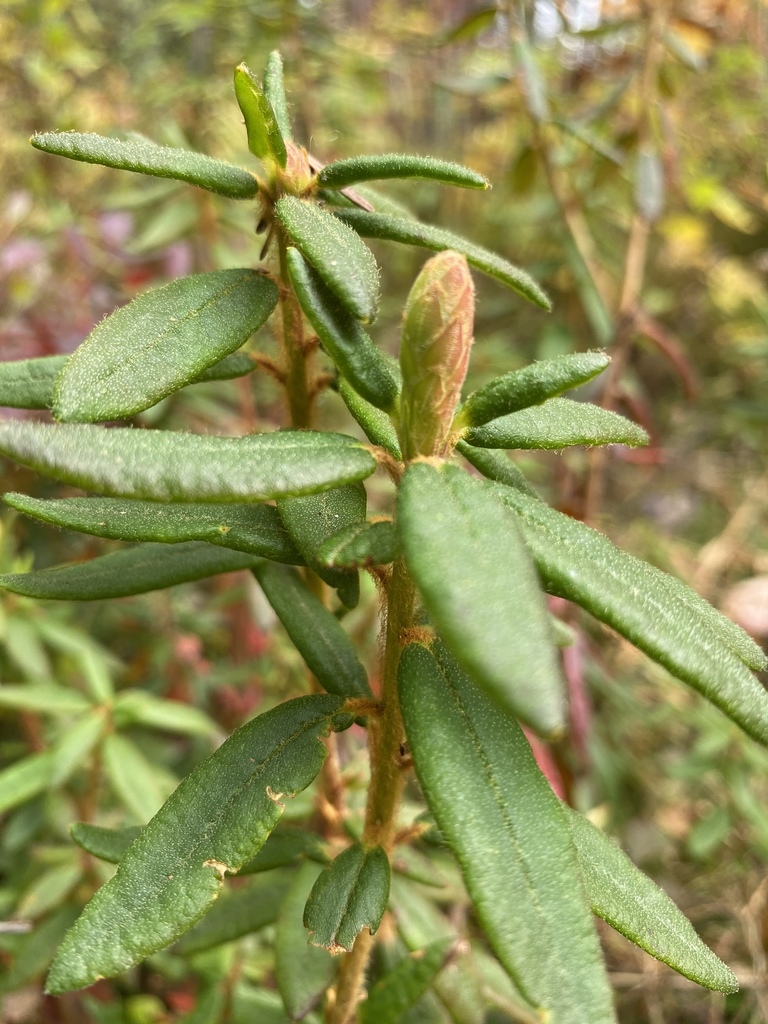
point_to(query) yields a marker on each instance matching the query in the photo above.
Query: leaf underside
(398, 165)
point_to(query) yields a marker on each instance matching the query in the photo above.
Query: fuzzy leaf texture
(480, 588)
(374, 423)
(315, 631)
(638, 908)
(350, 894)
(342, 260)
(412, 232)
(130, 571)
(274, 90)
(265, 139)
(342, 337)
(510, 836)
(361, 545)
(160, 342)
(213, 823)
(148, 158)
(530, 386)
(164, 465)
(253, 529)
(654, 611)
(558, 423)
(398, 165)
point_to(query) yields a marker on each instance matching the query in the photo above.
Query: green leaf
(470, 26)
(375, 424)
(50, 889)
(398, 165)
(35, 951)
(509, 833)
(303, 972)
(130, 571)
(556, 424)
(45, 698)
(480, 588)
(654, 611)
(75, 745)
(342, 337)
(402, 987)
(215, 821)
(107, 844)
(95, 662)
(375, 199)
(134, 779)
(310, 520)
(411, 232)
(137, 707)
(497, 466)
(361, 545)
(238, 911)
(349, 895)
(317, 633)
(148, 158)
(160, 342)
(638, 908)
(165, 465)
(254, 529)
(530, 386)
(344, 263)
(265, 139)
(274, 91)
(238, 364)
(288, 844)
(24, 779)
(28, 383)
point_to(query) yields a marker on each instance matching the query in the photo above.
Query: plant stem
(387, 755)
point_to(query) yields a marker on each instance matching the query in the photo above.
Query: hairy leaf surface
(265, 139)
(361, 545)
(398, 165)
(375, 424)
(350, 894)
(274, 90)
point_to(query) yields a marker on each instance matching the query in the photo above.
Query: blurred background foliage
(626, 145)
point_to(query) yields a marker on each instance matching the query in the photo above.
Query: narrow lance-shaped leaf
(288, 844)
(361, 545)
(148, 158)
(74, 746)
(311, 519)
(342, 337)
(107, 844)
(265, 140)
(140, 786)
(635, 906)
(412, 232)
(317, 633)
(398, 165)
(130, 571)
(374, 423)
(165, 465)
(654, 611)
(213, 823)
(44, 698)
(274, 90)
(405, 984)
(254, 529)
(480, 588)
(160, 342)
(558, 423)
(510, 835)
(342, 260)
(530, 386)
(138, 707)
(24, 779)
(349, 895)
(497, 466)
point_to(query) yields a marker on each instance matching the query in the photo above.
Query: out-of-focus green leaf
(265, 140)
(510, 835)
(651, 609)
(130, 571)
(558, 423)
(535, 86)
(134, 779)
(148, 158)
(107, 844)
(165, 465)
(342, 337)
(635, 906)
(530, 386)
(50, 889)
(480, 588)
(24, 779)
(342, 260)
(361, 545)
(36, 950)
(375, 424)
(649, 185)
(303, 971)
(240, 910)
(522, 174)
(412, 232)
(398, 165)
(215, 821)
(254, 529)
(317, 633)
(74, 746)
(47, 699)
(399, 990)
(162, 341)
(286, 845)
(350, 894)
(137, 707)
(471, 26)
(95, 662)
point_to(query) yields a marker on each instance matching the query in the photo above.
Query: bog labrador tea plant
(462, 566)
